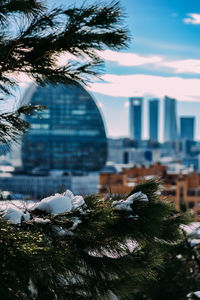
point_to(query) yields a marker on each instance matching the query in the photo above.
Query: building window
(168, 193)
(40, 126)
(181, 191)
(190, 204)
(126, 157)
(191, 193)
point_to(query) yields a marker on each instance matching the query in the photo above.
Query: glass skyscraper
(153, 119)
(135, 117)
(170, 120)
(187, 127)
(68, 135)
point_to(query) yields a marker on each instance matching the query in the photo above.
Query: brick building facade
(182, 189)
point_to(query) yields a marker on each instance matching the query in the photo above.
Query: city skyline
(174, 126)
(163, 59)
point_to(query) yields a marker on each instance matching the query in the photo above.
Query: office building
(135, 118)
(170, 120)
(68, 135)
(37, 187)
(187, 127)
(153, 119)
(127, 151)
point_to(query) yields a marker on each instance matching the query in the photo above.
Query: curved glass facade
(68, 135)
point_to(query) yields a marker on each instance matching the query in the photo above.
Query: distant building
(68, 135)
(135, 118)
(181, 188)
(127, 151)
(125, 180)
(187, 127)
(170, 120)
(153, 119)
(38, 186)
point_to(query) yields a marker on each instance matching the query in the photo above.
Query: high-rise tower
(135, 117)
(187, 127)
(170, 120)
(153, 119)
(68, 135)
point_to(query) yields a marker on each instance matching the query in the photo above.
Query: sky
(163, 58)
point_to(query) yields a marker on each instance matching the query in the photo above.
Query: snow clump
(193, 233)
(192, 228)
(40, 220)
(194, 242)
(14, 215)
(126, 204)
(60, 203)
(62, 232)
(196, 294)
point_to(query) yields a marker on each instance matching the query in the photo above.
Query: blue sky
(166, 61)
(163, 58)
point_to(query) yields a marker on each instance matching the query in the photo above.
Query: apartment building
(182, 189)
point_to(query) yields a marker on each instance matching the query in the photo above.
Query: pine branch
(93, 257)
(46, 37)
(13, 125)
(43, 35)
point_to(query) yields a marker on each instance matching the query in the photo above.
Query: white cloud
(141, 85)
(184, 66)
(22, 79)
(192, 19)
(65, 57)
(129, 59)
(191, 66)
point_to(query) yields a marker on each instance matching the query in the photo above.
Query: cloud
(129, 59)
(22, 79)
(65, 57)
(193, 19)
(191, 66)
(184, 66)
(141, 85)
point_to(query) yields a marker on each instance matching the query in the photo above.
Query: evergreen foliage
(33, 38)
(13, 124)
(122, 251)
(179, 275)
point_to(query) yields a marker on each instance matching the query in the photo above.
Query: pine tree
(116, 247)
(179, 275)
(32, 38)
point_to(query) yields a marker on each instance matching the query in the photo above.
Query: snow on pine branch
(60, 203)
(126, 204)
(192, 232)
(194, 295)
(16, 211)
